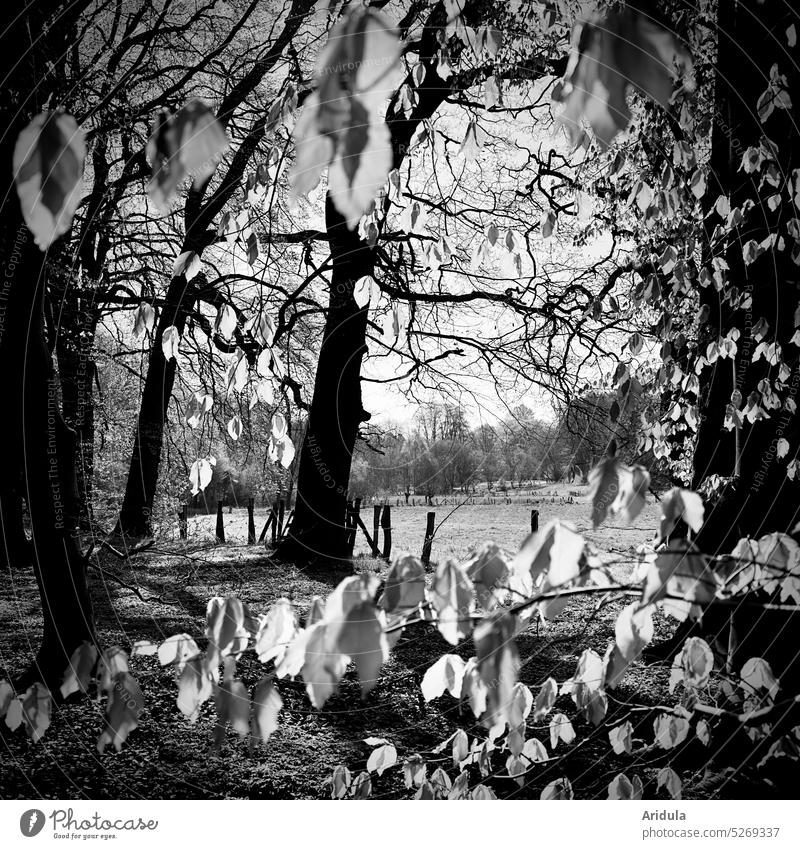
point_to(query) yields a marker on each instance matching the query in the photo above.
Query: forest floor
(164, 591)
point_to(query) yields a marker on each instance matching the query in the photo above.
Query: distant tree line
(440, 453)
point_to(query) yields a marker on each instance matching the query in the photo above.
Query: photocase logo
(31, 822)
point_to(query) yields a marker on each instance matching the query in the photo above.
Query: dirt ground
(166, 757)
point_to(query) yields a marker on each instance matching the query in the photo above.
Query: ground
(166, 757)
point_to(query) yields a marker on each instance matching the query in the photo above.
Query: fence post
(220, 523)
(426, 546)
(273, 514)
(386, 524)
(534, 521)
(281, 511)
(376, 523)
(183, 521)
(355, 515)
(251, 522)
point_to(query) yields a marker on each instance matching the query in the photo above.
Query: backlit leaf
(48, 172)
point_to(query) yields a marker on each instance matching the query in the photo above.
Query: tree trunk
(39, 448)
(77, 325)
(135, 518)
(40, 454)
(763, 498)
(318, 527)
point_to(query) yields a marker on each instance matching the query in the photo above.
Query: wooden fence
(278, 522)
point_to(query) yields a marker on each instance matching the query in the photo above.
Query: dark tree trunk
(135, 518)
(39, 448)
(75, 331)
(318, 527)
(763, 499)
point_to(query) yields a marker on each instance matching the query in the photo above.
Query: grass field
(164, 591)
(462, 527)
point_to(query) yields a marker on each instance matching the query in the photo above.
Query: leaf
(6, 697)
(176, 650)
(451, 596)
(560, 790)
(188, 143)
(144, 320)
(267, 704)
(342, 124)
(187, 264)
(225, 626)
(414, 771)
(621, 738)
(696, 662)
(491, 92)
(77, 674)
(362, 291)
(757, 675)
(276, 630)
(278, 426)
(48, 172)
(460, 746)
(125, 703)
(381, 759)
(488, 571)
(194, 688)
(516, 768)
(535, 751)
(682, 574)
(225, 323)
(497, 664)
(669, 779)
(362, 786)
(545, 699)
(554, 550)
(440, 781)
(236, 376)
(670, 730)
(405, 585)
(621, 788)
(144, 648)
(200, 475)
(170, 339)
(233, 706)
(548, 224)
(112, 662)
(586, 687)
(604, 486)
(560, 729)
(34, 711)
(633, 631)
(681, 504)
(363, 639)
(447, 674)
(340, 781)
(472, 143)
(610, 53)
(234, 427)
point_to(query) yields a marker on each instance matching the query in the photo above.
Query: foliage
(489, 599)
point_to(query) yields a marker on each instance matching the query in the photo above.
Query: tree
(201, 208)
(40, 466)
(749, 433)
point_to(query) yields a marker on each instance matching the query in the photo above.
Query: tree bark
(763, 498)
(318, 527)
(135, 518)
(39, 447)
(75, 333)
